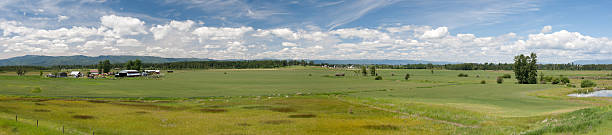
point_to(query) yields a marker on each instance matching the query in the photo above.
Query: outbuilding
(128, 73)
(94, 72)
(76, 73)
(152, 71)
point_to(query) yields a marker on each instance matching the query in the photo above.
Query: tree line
(106, 66)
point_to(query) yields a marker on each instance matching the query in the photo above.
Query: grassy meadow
(301, 100)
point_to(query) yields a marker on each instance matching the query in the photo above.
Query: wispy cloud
(355, 10)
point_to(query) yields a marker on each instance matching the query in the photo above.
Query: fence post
(62, 129)
(36, 123)
(15, 117)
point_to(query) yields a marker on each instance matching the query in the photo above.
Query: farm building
(128, 73)
(94, 72)
(153, 71)
(75, 73)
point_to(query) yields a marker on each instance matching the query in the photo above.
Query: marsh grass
(83, 117)
(283, 109)
(574, 122)
(382, 127)
(213, 110)
(302, 116)
(41, 110)
(277, 122)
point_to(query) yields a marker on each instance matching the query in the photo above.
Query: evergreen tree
(373, 70)
(106, 66)
(137, 65)
(364, 71)
(100, 67)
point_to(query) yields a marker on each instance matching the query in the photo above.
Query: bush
(587, 83)
(548, 78)
(483, 82)
(500, 80)
(571, 85)
(565, 80)
(507, 76)
(378, 78)
(462, 75)
(36, 90)
(556, 81)
(407, 76)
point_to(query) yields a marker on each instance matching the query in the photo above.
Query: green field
(301, 100)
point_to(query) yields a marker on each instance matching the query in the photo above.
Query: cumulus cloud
(289, 44)
(61, 18)
(546, 29)
(123, 25)
(120, 35)
(436, 33)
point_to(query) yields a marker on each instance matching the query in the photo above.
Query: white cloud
(61, 18)
(436, 33)
(189, 39)
(221, 33)
(128, 42)
(123, 25)
(289, 44)
(546, 29)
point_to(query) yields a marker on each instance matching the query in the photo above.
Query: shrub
(36, 90)
(462, 75)
(556, 81)
(407, 76)
(548, 78)
(483, 82)
(587, 83)
(571, 85)
(507, 76)
(378, 78)
(565, 80)
(500, 80)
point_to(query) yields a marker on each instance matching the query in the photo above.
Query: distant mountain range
(387, 62)
(584, 62)
(37, 60)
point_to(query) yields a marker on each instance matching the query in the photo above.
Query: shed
(75, 73)
(153, 71)
(128, 73)
(62, 74)
(94, 72)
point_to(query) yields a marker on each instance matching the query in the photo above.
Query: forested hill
(37, 60)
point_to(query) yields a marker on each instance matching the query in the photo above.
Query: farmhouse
(128, 73)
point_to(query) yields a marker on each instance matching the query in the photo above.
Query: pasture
(300, 100)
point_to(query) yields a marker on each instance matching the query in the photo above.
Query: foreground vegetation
(302, 100)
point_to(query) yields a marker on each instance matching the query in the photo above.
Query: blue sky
(559, 31)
